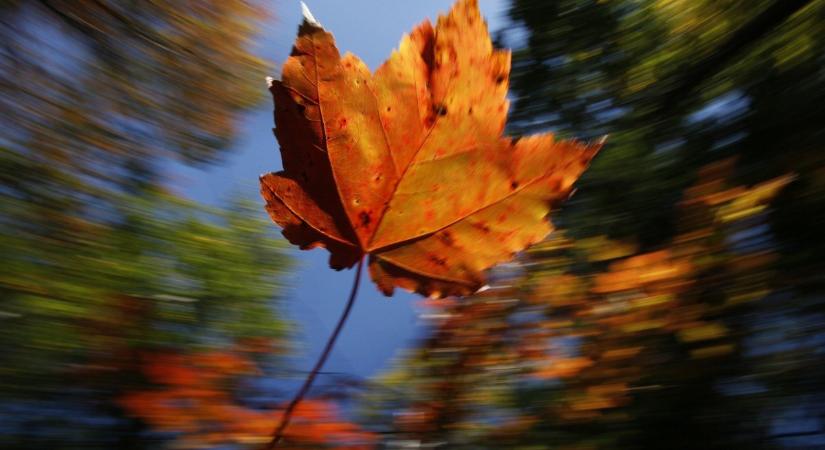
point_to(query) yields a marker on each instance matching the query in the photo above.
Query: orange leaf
(409, 164)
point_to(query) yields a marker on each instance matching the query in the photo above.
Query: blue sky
(378, 326)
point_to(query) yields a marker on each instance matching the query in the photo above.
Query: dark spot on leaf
(514, 185)
(447, 238)
(389, 108)
(365, 218)
(440, 109)
(500, 79)
(482, 226)
(470, 111)
(377, 178)
(437, 260)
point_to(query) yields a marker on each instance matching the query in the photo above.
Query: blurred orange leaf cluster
(595, 317)
(196, 401)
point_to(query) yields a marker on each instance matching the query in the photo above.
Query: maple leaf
(409, 164)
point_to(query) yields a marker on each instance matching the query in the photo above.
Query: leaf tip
(486, 287)
(308, 17)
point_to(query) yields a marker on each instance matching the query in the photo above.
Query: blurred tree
(102, 266)
(676, 309)
(591, 344)
(82, 303)
(678, 85)
(98, 96)
(109, 90)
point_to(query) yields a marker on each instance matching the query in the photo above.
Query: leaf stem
(279, 432)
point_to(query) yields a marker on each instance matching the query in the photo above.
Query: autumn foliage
(408, 164)
(586, 328)
(195, 400)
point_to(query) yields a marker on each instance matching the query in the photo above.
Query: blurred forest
(110, 281)
(679, 304)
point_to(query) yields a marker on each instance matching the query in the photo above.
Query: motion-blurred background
(148, 303)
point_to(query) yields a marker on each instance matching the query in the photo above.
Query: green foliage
(102, 265)
(158, 272)
(614, 68)
(679, 85)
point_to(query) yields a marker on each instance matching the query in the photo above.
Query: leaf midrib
(489, 205)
